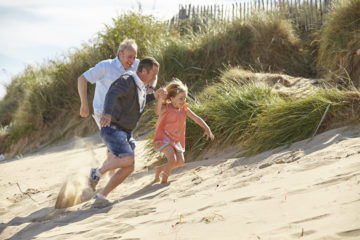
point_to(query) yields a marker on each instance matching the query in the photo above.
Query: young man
(123, 106)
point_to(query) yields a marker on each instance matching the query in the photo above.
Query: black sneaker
(93, 179)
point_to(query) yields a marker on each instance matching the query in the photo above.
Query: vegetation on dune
(297, 119)
(338, 41)
(41, 105)
(229, 108)
(265, 42)
(244, 112)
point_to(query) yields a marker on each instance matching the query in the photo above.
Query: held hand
(157, 93)
(151, 90)
(161, 93)
(84, 110)
(105, 120)
(164, 95)
(208, 135)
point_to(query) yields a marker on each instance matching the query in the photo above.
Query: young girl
(170, 130)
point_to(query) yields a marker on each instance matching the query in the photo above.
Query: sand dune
(310, 190)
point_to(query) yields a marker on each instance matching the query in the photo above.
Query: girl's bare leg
(157, 170)
(179, 159)
(166, 168)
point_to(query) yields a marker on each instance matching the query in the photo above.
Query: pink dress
(170, 128)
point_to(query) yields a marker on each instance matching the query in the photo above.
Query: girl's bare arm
(159, 107)
(198, 120)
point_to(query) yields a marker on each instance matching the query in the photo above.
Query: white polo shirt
(104, 74)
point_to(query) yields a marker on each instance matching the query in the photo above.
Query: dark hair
(147, 63)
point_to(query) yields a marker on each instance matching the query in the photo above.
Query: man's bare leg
(117, 179)
(113, 162)
(109, 156)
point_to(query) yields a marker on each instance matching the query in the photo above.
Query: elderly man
(104, 74)
(123, 106)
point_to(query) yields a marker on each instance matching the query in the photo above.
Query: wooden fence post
(311, 14)
(307, 13)
(296, 15)
(305, 17)
(316, 10)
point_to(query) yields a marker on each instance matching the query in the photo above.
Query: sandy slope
(308, 191)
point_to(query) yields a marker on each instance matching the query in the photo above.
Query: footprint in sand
(197, 180)
(350, 233)
(303, 233)
(3, 211)
(98, 231)
(212, 218)
(243, 199)
(311, 219)
(335, 180)
(17, 197)
(291, 156)
(136, 213)
(204, 208)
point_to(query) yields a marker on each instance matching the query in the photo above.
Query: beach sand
(310, 190)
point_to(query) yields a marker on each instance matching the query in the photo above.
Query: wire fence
(306, 14)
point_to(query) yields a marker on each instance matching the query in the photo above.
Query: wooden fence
(306, 14)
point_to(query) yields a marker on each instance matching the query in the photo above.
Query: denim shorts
(119, 142)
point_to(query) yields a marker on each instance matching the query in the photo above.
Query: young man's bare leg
(115, 162)
(119, 176)
(112, 163)
(97, 117)
(108, 153)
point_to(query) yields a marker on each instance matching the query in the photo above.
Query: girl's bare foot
(164, 177)
(157, 174)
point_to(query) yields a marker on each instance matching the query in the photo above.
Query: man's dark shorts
(119, 142)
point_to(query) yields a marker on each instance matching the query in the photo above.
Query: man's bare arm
(82, 89)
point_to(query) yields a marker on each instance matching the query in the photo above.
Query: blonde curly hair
(175, 87)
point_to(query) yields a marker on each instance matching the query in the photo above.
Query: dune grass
(249, 114)
(264, 42)
(297, 119)
(338, 41)
(229, 108)
(41, 104)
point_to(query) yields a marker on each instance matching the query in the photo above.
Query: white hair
(126, 44)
